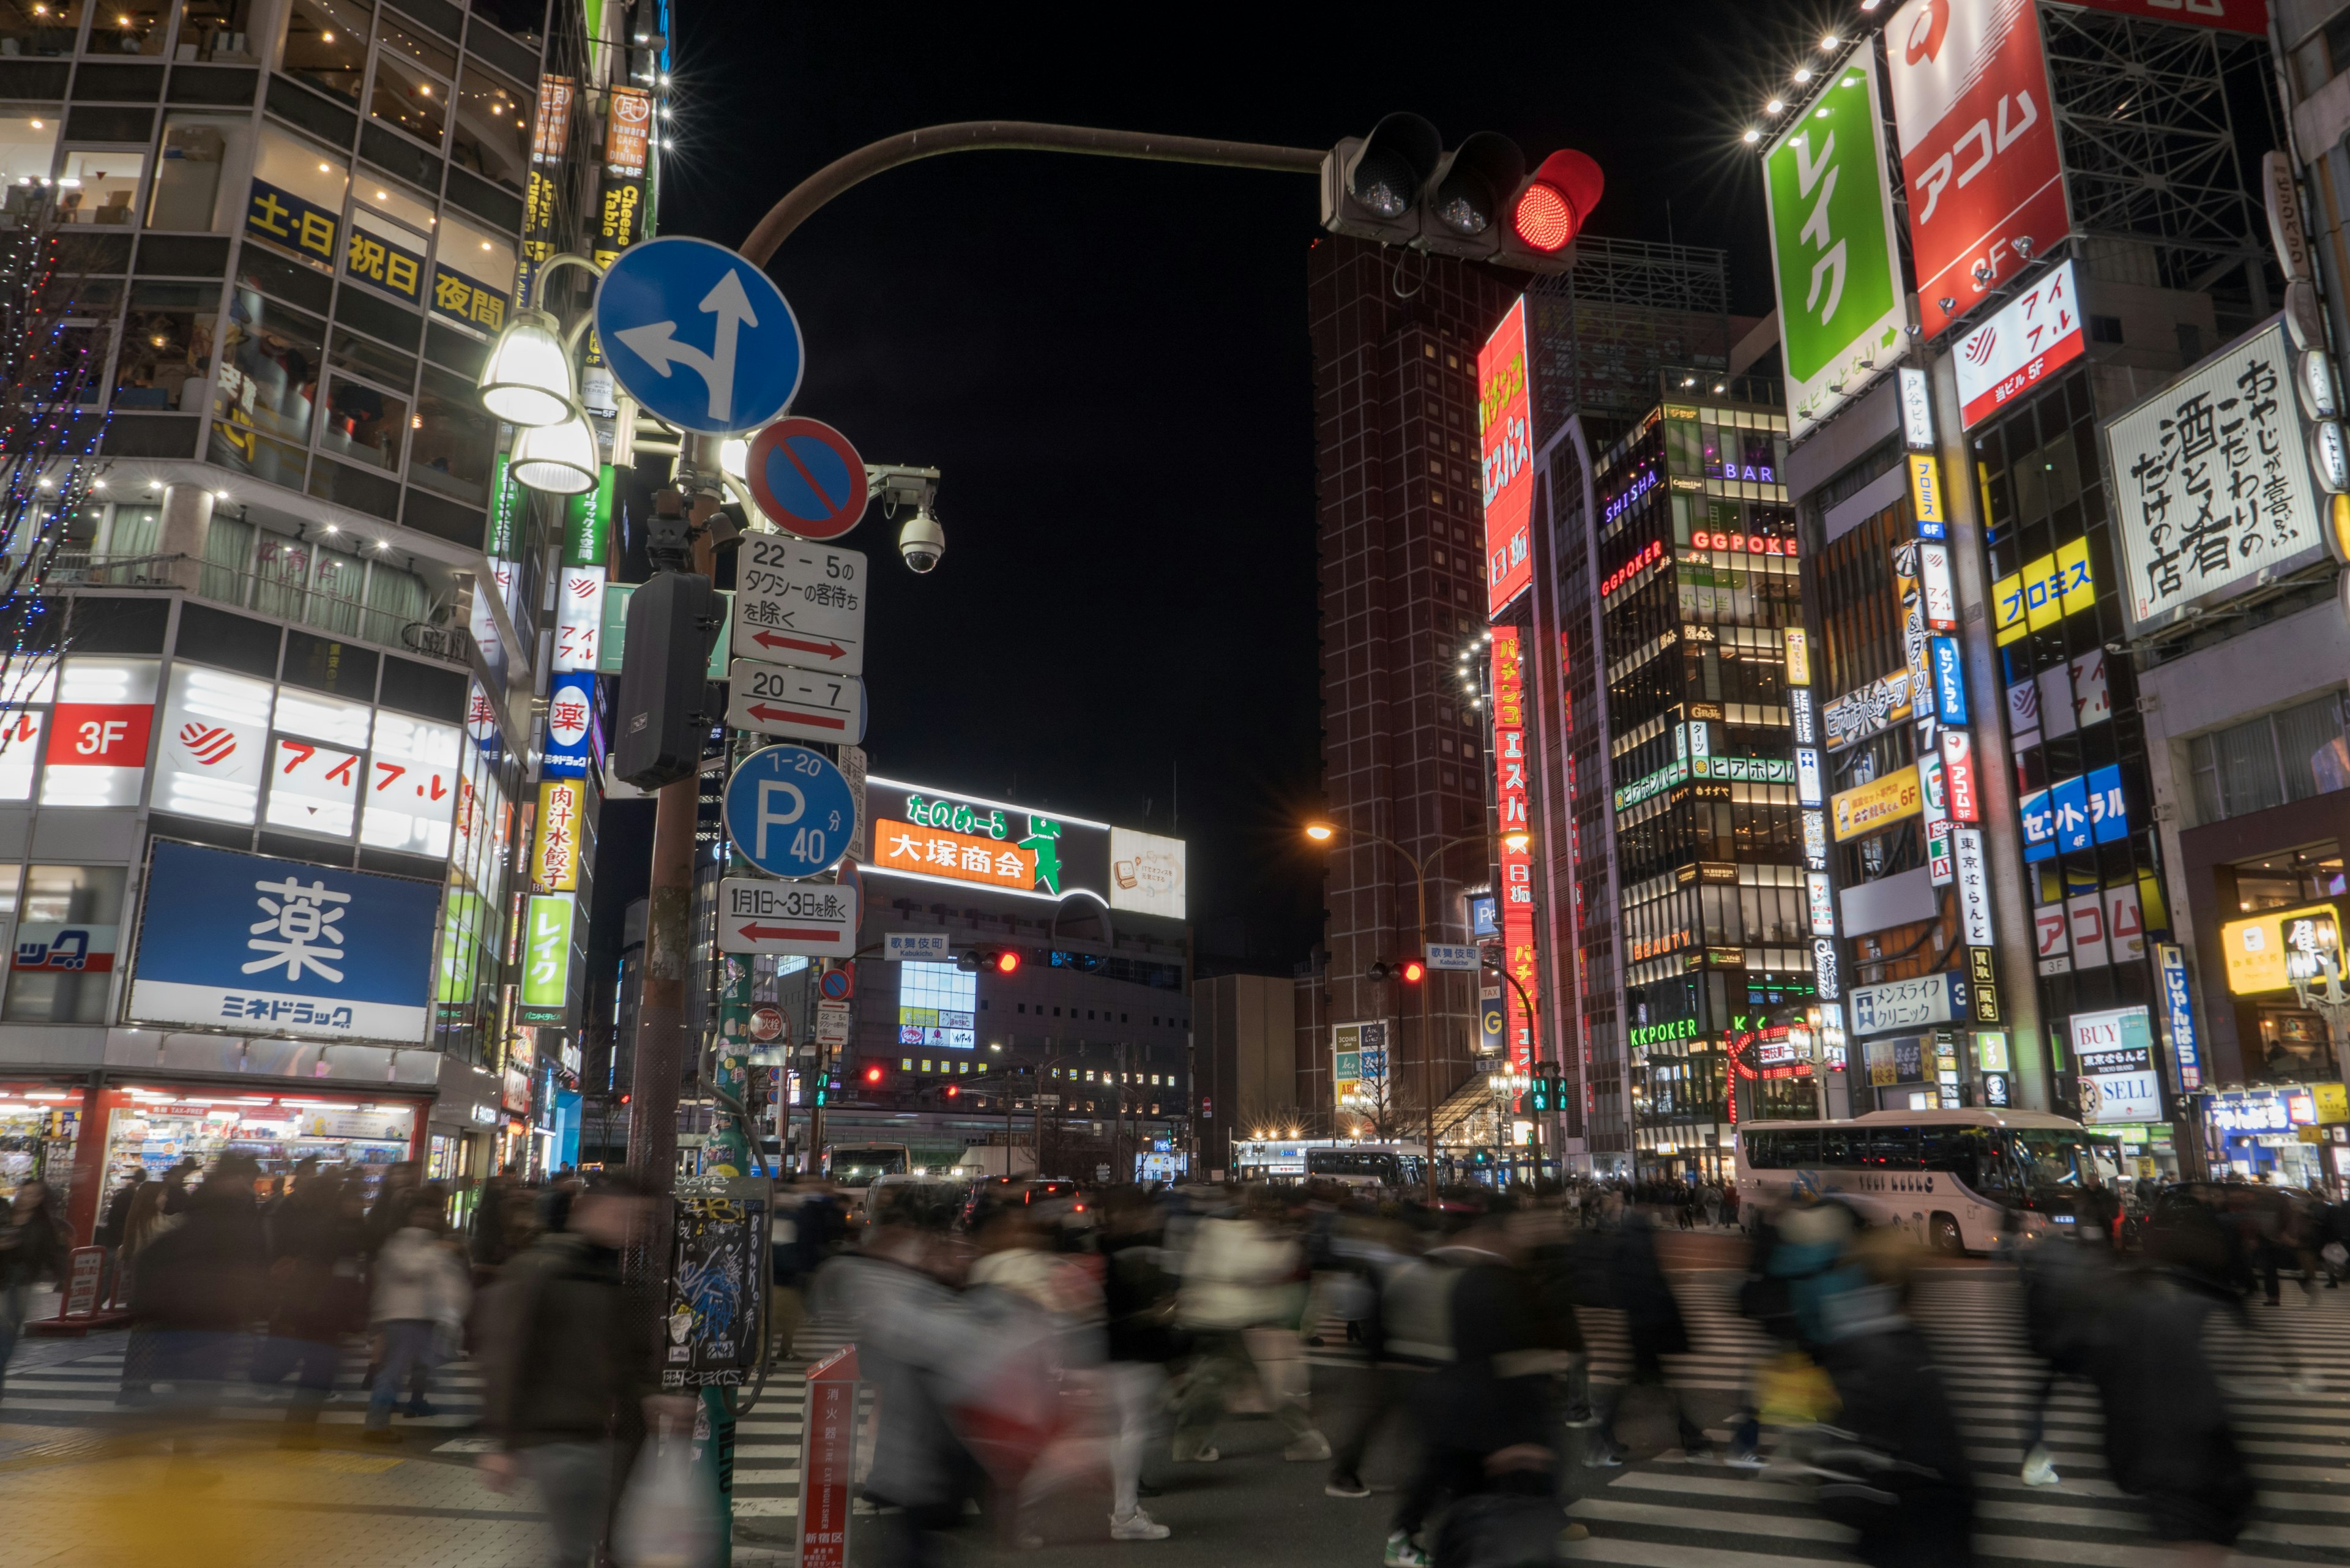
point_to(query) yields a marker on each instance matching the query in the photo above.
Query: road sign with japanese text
(798, 704)
(249, 944)
(799, 604)
(816, 919)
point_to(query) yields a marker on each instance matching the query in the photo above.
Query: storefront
(38, 1124)
(2292, 1136)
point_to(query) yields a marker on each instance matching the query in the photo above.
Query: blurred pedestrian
(421, 1292)
(117, 1209)
(316, 1294)
(2067, 1278)
(568, 1384)
(200, 1283)
(1241, 1273)
(1653, 1323)
(180, 1184)
(142, 1224)
(34, 1245)
(1138, 1297)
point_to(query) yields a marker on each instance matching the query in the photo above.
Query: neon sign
(1750, 544)
(1631, 568)
(1640, 486)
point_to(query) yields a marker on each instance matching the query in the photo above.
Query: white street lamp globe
(527, 381)
(559, 459)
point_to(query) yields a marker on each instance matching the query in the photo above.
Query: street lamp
(1323, 833)
(559, 458)
(527, 378)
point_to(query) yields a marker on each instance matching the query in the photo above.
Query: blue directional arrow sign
(790, 811)
(698, 335)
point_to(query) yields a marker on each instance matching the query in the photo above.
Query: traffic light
(1001, 961)
(1399, 186)
(665, 703)
(873, 1074)
(1412, 970)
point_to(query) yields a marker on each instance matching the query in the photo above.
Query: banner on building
(1517, 892)
(1506, 428)
(1977, 128)
(1833, 248)
(2213, 495)
(620, 201)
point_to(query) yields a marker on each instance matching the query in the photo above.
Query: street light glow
(1515, 842)
(527, 381)
(1320, 832)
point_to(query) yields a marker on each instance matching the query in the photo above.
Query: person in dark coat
(568, 1384)
(2169, 1440)
(33, 1247)
(317, 1285)
(117, 1209)
(199, 1283)
(1653, 1323)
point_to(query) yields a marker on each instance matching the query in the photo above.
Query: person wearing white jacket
(422, 1291)
(1239, 1275)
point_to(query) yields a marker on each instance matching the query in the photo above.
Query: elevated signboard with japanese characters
(248, 944)
(935, 836)
(2213, 492)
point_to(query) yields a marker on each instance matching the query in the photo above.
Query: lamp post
(1323, 833)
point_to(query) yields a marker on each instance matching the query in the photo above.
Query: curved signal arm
(1007, 135)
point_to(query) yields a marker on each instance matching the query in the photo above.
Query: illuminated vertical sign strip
(1505, 423)
(1517, 864)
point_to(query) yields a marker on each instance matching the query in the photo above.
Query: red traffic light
(1556, 201)
(1414, 971)
(1007, 962)
(953, 1090)
(872, 1075)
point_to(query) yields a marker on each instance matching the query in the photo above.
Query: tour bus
(855, 1165)
(1390, 1167)
(1952, 1177)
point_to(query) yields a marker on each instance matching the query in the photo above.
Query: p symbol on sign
(767, 815)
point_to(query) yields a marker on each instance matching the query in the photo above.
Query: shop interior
(158, 1128)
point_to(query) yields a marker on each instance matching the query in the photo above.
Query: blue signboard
(570, 718)
(1484, 918)
(698, 335)
(1491, 1025)
(790, 811)
(2068, 801)
(256, 945)
(2039, 826)
(2180, 1007)
(1950, 682)
(2108, 818)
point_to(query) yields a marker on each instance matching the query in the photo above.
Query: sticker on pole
(806, 478)
(698, 335)
(789, 812)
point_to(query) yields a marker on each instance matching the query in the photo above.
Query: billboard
(2214, 495)
(1833, 249)
(1517, 893)
(2221, 16)
(1979, 155)
(1867, 808)
(1505, 424)
(2263, 952)
(2113, 1052)
(2026, 340)
(935, 836)
(256, 945)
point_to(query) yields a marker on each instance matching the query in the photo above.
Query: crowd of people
(1025, 1339)
(1015, 1347)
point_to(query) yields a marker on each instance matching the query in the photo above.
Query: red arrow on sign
(769, 639)
(761, 711)
(789, 933)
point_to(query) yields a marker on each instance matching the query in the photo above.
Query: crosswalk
(68, 1390)
(2289, 1382)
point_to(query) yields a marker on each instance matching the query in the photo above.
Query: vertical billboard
(1978, 154)
(1517, 864)
(1505, 423)
(1833, 249)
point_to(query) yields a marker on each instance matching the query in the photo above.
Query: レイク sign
(251, 945)
(1517, 864)
(1505, 422)
(1978, 131)
(1832, 250)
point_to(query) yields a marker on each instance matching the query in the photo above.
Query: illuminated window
(937, 1006)
(905, 1063)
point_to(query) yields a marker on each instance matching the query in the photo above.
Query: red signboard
(1978, 154)
(829, 1460)
(1505, 418)
(100, 734)
(1517, 893)
(2227, 16)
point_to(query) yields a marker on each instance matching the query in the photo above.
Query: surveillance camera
(921, 541)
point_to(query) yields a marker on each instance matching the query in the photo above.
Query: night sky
(1109, 359)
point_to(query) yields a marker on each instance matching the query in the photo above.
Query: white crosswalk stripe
(2286, 1379)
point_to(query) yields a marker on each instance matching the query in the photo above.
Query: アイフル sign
(2026, 341)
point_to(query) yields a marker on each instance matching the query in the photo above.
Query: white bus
(1388, 1167)
(1951, 1177)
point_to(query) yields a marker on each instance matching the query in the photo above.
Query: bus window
(1893, 1148)
(2054, 1159)
(1976, 1156)
(1836, 1146)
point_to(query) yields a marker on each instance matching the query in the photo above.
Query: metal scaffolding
(1604, 328)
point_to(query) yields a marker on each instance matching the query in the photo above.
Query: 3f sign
(100, 735)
